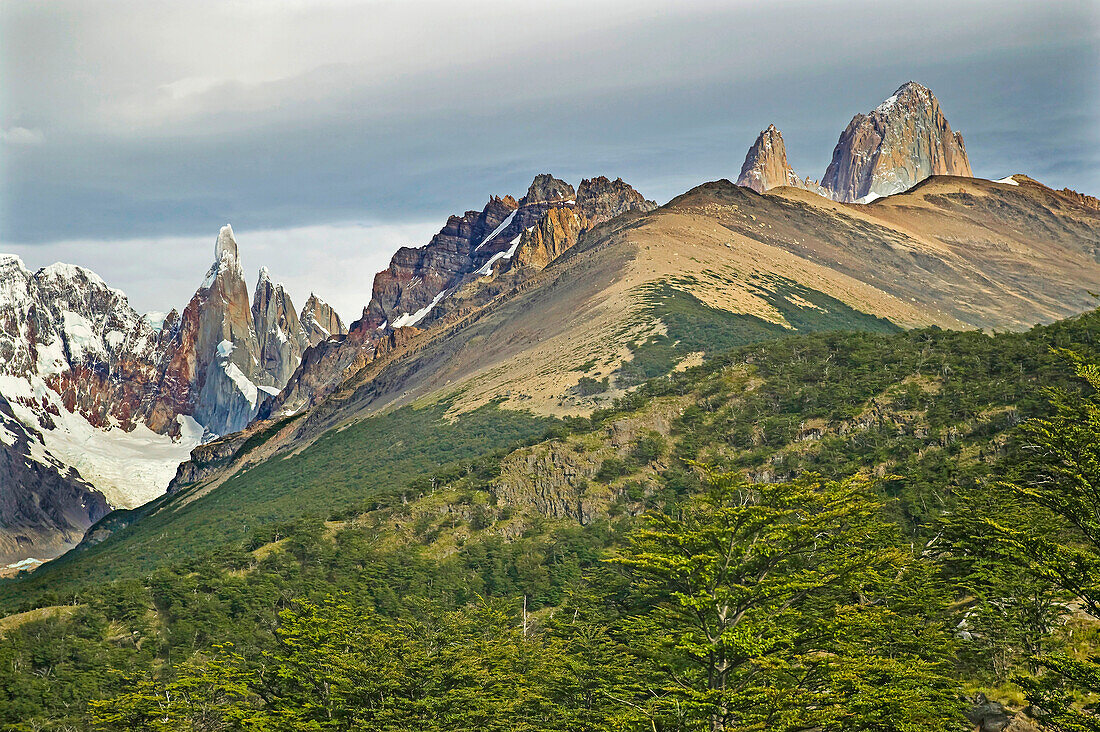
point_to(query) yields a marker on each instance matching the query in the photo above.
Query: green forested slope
(446, 600)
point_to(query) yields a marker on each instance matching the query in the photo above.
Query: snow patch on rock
(502, 227)
(407, 319)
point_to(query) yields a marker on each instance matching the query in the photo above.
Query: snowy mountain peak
(13, 280)
(73, 276)
(226, 259)
(155, 319)
(11, 262)
(904, 140)
(225, 249)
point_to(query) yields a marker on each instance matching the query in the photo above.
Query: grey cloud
(166, 119)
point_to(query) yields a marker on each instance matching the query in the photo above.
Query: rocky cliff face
(280, 335)
(98, 395)
(473, 258)
(45, 506)
(217, 354)
(418, 279)
(766, 164)
(81, 368)
(319, 321)
(408, 289)
(554, 233)
(65, 326)
(600, 199)
(900, 143)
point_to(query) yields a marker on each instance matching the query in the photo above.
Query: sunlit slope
(952, 252)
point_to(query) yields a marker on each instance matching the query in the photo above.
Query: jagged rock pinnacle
(901, 142)
(766, 164)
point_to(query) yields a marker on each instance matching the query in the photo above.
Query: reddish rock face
(216, 365)
(416, 276)
(426, 284)
(900, 143)
(64, 325)
(549, 238)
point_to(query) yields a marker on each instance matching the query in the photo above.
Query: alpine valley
(519, 396)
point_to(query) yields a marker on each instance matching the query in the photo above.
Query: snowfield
(129, 468)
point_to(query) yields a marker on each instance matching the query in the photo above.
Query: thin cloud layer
(336, 262)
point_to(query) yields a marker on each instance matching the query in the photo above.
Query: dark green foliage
(776, 604)
(371, 460)
(587, 386)
(649, 447)
(611, 468)
(1056, 473)
(228, 627)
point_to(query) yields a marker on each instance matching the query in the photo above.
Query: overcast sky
(329, 133)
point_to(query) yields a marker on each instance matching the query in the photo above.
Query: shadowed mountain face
(45, 507)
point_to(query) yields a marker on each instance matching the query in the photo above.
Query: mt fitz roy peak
(901, 142)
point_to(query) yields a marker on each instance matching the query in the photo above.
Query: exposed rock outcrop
(897, 145)
(549, 238)
(992, 716)
(406, 291)
(280, 335)
(545, 188)
(460, 269)
(553, 480)
(766, 163)
(1082, 198)
(45, 506)
(601, 199)
(319, 321)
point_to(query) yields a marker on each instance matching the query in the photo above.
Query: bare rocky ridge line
(472, 260)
